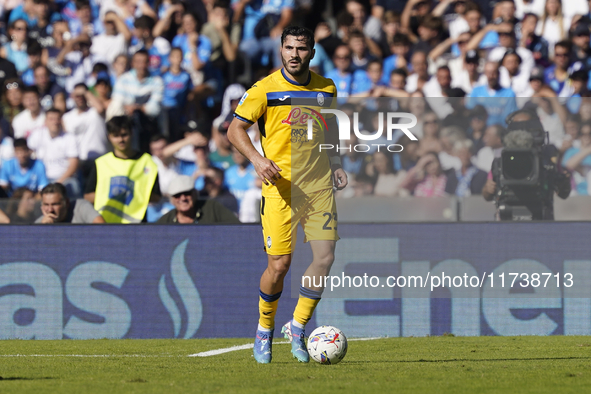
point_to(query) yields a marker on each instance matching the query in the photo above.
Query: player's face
(296, 55)
(54, 204)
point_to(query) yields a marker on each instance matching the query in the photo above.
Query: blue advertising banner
(139, 281)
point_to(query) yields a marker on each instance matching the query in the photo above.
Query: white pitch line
(251, 345)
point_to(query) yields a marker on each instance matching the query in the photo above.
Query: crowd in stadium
(176, 70)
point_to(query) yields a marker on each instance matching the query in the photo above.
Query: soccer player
(298, 180)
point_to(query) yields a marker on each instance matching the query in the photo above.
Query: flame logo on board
(184, 285)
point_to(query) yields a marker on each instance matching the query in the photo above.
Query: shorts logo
(243, 98)
(269, 242)
(320, 98)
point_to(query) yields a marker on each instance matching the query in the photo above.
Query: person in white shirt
(86, 124)
(465, 74)
(32, 118)
(58, 152)
(553, 25)
(114, 41)
(493, 145)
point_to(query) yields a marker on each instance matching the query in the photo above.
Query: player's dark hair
(55, 188)
(118, 123)
(20, 143)
(297, 31)
(145, 22)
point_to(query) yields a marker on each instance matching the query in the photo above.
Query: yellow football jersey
(282, 108)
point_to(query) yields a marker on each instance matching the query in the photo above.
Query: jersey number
(329, 217)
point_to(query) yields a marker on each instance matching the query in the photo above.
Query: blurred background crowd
(177, 69)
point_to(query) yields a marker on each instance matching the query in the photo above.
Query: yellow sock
(306, 305)
(267, 309)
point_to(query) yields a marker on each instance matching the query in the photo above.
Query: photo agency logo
(394, 121)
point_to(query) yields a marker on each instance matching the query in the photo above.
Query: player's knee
(325, 260)
(279, 265)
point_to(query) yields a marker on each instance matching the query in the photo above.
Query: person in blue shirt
(158, 48)
(82, 17)
(26, 12)
(34, 52)
(400, 48)
(341, 74)
(499, 102)
(557, 75)
(240, 177)
(22, 170)
(177, 86)
(364, 82)
(196, 47)
(16, 50)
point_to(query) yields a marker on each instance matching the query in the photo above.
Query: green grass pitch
(395, 365)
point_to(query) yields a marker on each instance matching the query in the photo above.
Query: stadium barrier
(139, 281)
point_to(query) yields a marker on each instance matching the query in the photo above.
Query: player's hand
(267, 170)
(340, 178)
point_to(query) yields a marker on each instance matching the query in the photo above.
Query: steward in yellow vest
(123, 182)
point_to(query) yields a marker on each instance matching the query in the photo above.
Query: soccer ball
(327, 345)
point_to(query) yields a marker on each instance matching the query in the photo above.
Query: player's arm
(332, 137)
(266, 169)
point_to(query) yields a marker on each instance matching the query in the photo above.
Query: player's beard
(300, 69)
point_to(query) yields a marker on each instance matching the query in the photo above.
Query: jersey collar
(296, 82)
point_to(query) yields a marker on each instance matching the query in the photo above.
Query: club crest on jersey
(320, 98)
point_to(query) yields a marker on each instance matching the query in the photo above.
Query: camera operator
(526, 176)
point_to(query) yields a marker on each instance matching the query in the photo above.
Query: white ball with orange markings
(327, 345)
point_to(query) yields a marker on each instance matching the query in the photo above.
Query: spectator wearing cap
(158, 47)
(465, 72)
(177, 87)
(113, 41)
(50, 93)
(123, 182)
(57, 208)
(32, 118)
(22, 170)
(188, 209)
(139, 95)
(537, 45)
(498, 101)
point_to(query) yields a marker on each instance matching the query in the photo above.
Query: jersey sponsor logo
(243, 98)
(269, 242)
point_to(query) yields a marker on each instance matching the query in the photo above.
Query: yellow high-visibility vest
(123, 187)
